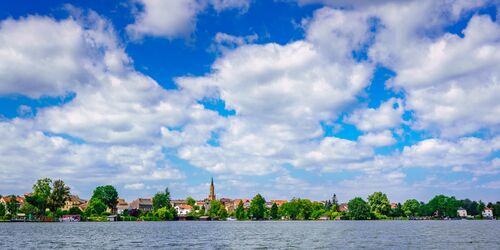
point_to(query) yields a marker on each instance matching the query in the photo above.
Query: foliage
(12, 206)
(215, 209)
(161, 199)
(75, 210)
(96, 207)
(379, 203)
(411, 208)
(190, 201)
(107, 195)
(257, 207)
(240, 211)
(358, 209)
(2, 209)
(274, 212)
(40, 196)
(165, 213)
(300, 209)
(442, 206)
(58, 196)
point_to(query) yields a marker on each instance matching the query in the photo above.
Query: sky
(287, 98)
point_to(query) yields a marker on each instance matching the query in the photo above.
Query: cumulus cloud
(174, 18)
(387, 116)
(377, 139)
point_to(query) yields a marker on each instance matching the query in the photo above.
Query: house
(175, 203)
(394, 205)
(183, 209)
(144, 204)
(121, 205)
(246, 203)
(343, 207)
(462, 212)
(6, 199)
(279, 202)
(228, 204)
(73, 201)
(487, 213)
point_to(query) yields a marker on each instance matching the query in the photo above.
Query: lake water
(251, 235)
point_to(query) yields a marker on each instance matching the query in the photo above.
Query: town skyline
(299, 98)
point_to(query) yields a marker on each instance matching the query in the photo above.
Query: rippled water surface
(250, 235)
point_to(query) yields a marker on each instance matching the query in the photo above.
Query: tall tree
(107, 194)
(215, 207)
(442, 206)
(58, 196)
(379, 203)
(274, 212)
(240, 211)
(411, 207)
(257, 207)
(162, 199)
(358, 209)
(41, 192)
(335, 203)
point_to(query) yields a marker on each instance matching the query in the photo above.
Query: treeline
(48, 197)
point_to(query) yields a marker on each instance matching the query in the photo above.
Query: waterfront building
(175, 203)
(211, 195)
(121, 205)
(487, 213)
(6, 199)
(183, 209)
(343, 207)
(462, 212)
(144, 204)
(73, 201)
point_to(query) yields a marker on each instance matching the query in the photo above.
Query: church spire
(211, 196)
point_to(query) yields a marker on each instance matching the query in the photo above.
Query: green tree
(12, 205)
(223, 213)
(162, 199)
(257, 207)
(443, 206)
(214, 210)
(358, 209)
(274, 212)
(107, 195)
(165, 213)
(411, 207)
(58, 196)
(2, 209)
(496, 209)
(96, 206)
(240, 211)
(190, 201)
(75, 210)
(40, 197)
(379, 203)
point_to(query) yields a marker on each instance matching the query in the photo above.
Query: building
(73, 201)
(211, 196)
(487, 213)
(394, 205)
(183, 209)
(144, 204)
(462, 212)
(175, 203)
(121, 205)
(279, 202)
(228, 204)
(343, 207)
(6, 199)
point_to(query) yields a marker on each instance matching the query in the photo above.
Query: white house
(462, 212)
(183, 209)
(488, 213)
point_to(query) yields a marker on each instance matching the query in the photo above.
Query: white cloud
(134, 186)
(174, 18)
(387, 116)
(377, 139)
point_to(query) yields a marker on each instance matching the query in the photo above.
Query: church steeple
(211, 196)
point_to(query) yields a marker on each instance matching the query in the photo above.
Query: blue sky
(289, 99)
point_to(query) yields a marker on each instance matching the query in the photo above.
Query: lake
(250, 235)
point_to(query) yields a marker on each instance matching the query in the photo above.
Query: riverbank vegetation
(48, 197)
